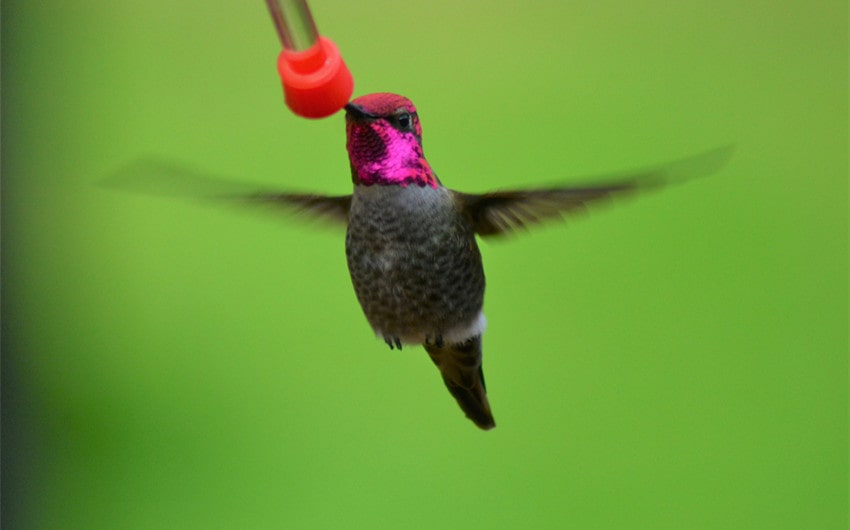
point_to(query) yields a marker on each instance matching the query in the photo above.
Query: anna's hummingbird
(410, 241)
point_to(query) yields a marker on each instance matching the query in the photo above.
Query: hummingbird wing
(501, 212)
(333, 208)
(168, 178)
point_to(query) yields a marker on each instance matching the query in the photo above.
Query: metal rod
(294, 24)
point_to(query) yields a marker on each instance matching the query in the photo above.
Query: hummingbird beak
(357, 112)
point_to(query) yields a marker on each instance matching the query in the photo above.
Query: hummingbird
(411, 244)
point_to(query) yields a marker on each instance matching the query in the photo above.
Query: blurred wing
(502, 212)
(154, 176)
(333, 208)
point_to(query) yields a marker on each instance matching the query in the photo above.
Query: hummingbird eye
(404, 120)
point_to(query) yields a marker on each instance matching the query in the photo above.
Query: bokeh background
(677, 361)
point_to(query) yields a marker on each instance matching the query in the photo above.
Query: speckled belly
(414, 263)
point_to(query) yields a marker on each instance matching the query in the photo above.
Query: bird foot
(393, 342)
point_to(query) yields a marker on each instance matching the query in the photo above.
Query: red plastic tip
(316, 82)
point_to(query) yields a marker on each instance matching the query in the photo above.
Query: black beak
(357, 112)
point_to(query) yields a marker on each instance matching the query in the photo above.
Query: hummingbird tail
(460, 366)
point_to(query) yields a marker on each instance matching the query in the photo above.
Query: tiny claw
(393, 342)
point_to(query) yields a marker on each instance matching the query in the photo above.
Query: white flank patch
(455, 335)
(462, 333)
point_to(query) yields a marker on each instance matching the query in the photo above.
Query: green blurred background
(677, 361)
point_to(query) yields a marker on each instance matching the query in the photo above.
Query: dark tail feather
(460, 366)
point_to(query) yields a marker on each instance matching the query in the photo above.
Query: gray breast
(414, 262)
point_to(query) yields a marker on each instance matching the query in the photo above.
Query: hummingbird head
(384, 141)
